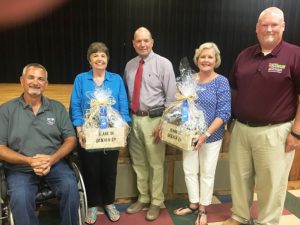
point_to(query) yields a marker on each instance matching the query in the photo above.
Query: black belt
(140, 113)
(253, 124)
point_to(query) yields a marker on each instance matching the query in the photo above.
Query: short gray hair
(272, 10)
(35, 65)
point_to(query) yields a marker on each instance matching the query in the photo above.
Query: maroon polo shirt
(267, 86)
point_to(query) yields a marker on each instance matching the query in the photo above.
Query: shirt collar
(277, 49)
(148, 58)
(274, 52)
(44, 106)
(108, 75)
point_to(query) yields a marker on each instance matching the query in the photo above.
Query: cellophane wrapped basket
(103, 127)
(183, 121)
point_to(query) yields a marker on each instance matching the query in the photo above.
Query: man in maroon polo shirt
(265, 81)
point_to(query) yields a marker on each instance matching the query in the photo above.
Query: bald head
(271, 11)
(142, 30)
(142, 42)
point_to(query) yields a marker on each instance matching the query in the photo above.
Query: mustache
(34, 86)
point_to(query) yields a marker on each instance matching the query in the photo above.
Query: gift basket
(183, 121)
(103, 126)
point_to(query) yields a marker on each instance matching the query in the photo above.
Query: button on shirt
(30, 134)
(158, 82)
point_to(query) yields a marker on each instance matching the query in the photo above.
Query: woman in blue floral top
(214, 99)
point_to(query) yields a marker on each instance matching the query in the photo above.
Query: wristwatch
(297, 136)
(207, 134)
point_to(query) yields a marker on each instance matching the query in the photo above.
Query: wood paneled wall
(59, 92)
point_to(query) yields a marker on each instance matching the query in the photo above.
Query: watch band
(297, 136)
(207, 134)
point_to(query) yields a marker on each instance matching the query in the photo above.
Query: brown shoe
(231, 221)
(153, 212)
(136, 207)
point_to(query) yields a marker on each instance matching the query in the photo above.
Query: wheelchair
(44, 194)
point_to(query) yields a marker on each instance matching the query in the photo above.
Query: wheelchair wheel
(1, 213)
(5, 214)
(6, 217)
(82, 211)
(10, 217)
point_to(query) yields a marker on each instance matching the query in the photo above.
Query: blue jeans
(22, 188)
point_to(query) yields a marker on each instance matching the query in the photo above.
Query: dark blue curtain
(59, 40)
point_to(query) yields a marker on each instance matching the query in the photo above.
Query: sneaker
(136, 207)
(153, 212)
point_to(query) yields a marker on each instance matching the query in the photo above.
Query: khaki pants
(147, 159)
(258, 161)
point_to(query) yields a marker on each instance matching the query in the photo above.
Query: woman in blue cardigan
(100, 166)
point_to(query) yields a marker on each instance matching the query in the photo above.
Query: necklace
(98, 80)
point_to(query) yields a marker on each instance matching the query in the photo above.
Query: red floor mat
(136, 219)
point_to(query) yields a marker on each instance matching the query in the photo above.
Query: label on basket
(105, 138)
(173, 137)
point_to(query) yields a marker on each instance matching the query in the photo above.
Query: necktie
(137, 87)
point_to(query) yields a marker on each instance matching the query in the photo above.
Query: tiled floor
(217, 213)
(220, 210)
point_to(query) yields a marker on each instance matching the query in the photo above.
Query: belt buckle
(141, 113)
(144, 113)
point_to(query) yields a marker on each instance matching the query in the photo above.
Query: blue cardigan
(84, 85)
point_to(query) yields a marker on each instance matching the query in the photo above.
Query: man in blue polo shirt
(35, 136)
(266, 90)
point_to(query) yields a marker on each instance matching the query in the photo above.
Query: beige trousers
(147, 159)
(258, 162)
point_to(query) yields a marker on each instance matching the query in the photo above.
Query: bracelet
(207, 134)
(297, 136)
(79, 132)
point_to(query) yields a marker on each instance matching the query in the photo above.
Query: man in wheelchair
(35, 136)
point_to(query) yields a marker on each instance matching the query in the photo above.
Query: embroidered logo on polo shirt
(276, 68)
(50, 121)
